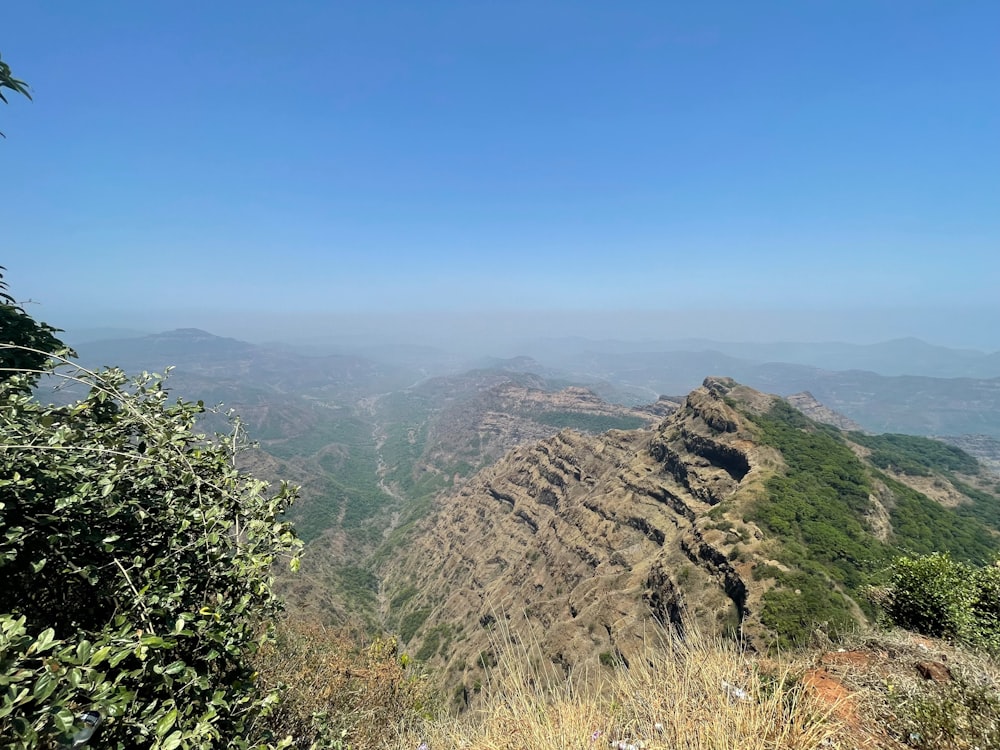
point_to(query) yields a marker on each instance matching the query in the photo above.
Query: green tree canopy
(25, 344)
(7, 81)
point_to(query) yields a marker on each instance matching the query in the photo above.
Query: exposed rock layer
(577, 541)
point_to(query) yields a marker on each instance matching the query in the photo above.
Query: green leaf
(100, 655)
(174, 667)
(119, 657)
(44, 687)
(83, 650)
(63, 720)
(166, 722)
(45, 640)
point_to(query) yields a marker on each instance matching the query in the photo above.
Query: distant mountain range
(907, 356)
(915, 402)
(227, 360)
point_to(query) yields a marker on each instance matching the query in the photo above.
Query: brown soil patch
(934, 670)
(831, 691)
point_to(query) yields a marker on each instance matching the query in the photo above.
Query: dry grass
(338, 690)
(697, 694)
(694, 694)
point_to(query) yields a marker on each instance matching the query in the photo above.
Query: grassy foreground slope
(871, 691)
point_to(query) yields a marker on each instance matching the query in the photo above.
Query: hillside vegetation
(819, 508)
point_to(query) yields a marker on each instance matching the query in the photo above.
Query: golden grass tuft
(698, 693)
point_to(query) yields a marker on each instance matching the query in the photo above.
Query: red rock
(934, 670)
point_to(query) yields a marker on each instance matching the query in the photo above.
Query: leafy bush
(411, 623)
(135, 568)
(922, 526)
(594, 423)
(932, 595)
(963, 713)
(34, 340)
(801, 605)
(940, 597)
(986, 608)
(819, 505)
(434, 639)
(985, 507)
(819, 510)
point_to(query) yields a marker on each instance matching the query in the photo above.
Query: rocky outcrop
(664, 599)
(576, 546)
(497, 414)
(806, 403)
(701, 449)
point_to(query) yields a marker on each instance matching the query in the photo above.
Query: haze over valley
(377, 441)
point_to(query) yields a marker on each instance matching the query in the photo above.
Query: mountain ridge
(577, 541)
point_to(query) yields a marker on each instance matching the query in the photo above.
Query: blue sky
(194, 163)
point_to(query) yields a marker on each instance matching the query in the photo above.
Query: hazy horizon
(501, 332)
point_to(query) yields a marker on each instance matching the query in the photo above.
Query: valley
(441, 502)
(492, 519)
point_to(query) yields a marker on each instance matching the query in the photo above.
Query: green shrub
(583, 422)
(411, 623)
(818, 510)
(801, 604)
(916, 456)
(135, 562)
(963, 713)
(932, 595)
(938, 596)
(986, 608)
(135, 570)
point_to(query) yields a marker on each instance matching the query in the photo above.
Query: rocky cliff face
(576, 542)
